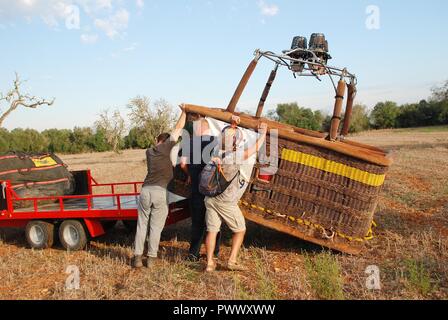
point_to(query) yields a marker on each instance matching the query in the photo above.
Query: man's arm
(175, 134)
(184, 167)
(262, 130)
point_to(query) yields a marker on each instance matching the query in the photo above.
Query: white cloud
(29, 3)
(119, 53)
(114, 25)
(140, 4)
(89, 38)
(104, 4)
(266, 9)
(109, 16)
(132, 47)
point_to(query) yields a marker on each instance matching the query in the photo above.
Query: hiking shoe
(235, 266)
(137, 262)
(192, 258)
(150, 262)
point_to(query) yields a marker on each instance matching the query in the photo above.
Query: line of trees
(384, 115)
(145, 120)
(109, 133)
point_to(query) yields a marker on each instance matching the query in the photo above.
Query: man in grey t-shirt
(153, 203)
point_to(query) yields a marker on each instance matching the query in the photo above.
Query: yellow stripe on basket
(340, 169)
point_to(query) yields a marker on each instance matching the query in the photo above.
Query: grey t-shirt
(237, 187)
(160, 168)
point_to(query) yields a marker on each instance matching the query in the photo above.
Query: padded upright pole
(266, 90)
(239, 90)
(336, 120)
(348, 109)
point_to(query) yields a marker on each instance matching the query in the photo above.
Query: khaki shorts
(217, 211)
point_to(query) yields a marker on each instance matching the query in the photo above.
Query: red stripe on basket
(31, 169)
(8, 172)
(31, 157)
(8, 157)
(39, 183)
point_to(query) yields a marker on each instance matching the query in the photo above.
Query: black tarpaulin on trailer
(36, 175)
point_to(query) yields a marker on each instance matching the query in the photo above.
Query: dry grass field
(410, 245)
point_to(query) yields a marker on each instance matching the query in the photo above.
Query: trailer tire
(72, 235)
(131, 225)
(108, 225)
(39, 234)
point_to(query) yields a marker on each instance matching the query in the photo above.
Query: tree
(81, 140)
(293, 114)
(360, 119)
(409, 116)
(14, 99)
(149, 121)
(27, 140)
(99, 141)
(443, 116)
(5, 139)
(440, 93)
(423, 113)
(133, 141)
(384, 115)
(58, 140)
(112, 127)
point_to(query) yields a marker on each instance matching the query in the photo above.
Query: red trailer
(79, 217)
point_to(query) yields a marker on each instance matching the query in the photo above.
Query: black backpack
(212, 180)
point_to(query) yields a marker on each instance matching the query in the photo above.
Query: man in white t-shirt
(224, 207)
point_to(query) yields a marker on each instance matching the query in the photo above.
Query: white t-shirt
(249, 138)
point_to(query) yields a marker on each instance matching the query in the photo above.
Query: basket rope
(311, 224)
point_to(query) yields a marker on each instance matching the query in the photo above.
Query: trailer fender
(94, 227)
(13, 223)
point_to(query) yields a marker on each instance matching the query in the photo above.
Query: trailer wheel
(108, 225)
(39, 234)
(72, 235)
(131, 225)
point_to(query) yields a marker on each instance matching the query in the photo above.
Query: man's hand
(263, 128)
(236, 119)
(182, 107)
(216, 160)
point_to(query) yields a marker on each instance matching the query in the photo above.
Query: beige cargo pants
(152, 214)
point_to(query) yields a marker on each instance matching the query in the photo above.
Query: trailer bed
(97, 203)
(86, 210)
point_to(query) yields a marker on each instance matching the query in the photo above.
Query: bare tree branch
(14, 99)
(113, 127)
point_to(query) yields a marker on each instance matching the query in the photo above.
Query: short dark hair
(163, 137)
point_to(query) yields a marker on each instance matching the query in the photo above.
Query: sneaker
(150, 262)
(137, 262)
(192, 258)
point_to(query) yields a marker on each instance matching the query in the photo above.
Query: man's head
(230, 138)
(161, 138)
(201, 127)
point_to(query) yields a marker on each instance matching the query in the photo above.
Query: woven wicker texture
(329, 194)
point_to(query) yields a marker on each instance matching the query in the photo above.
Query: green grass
(324, 276)
(241, 292)
(423, 129)
(408, 198)
(266, 288)
(418, 277)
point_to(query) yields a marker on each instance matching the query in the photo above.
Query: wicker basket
(324, 192)
(318, 195)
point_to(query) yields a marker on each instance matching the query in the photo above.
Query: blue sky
(196, 51)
